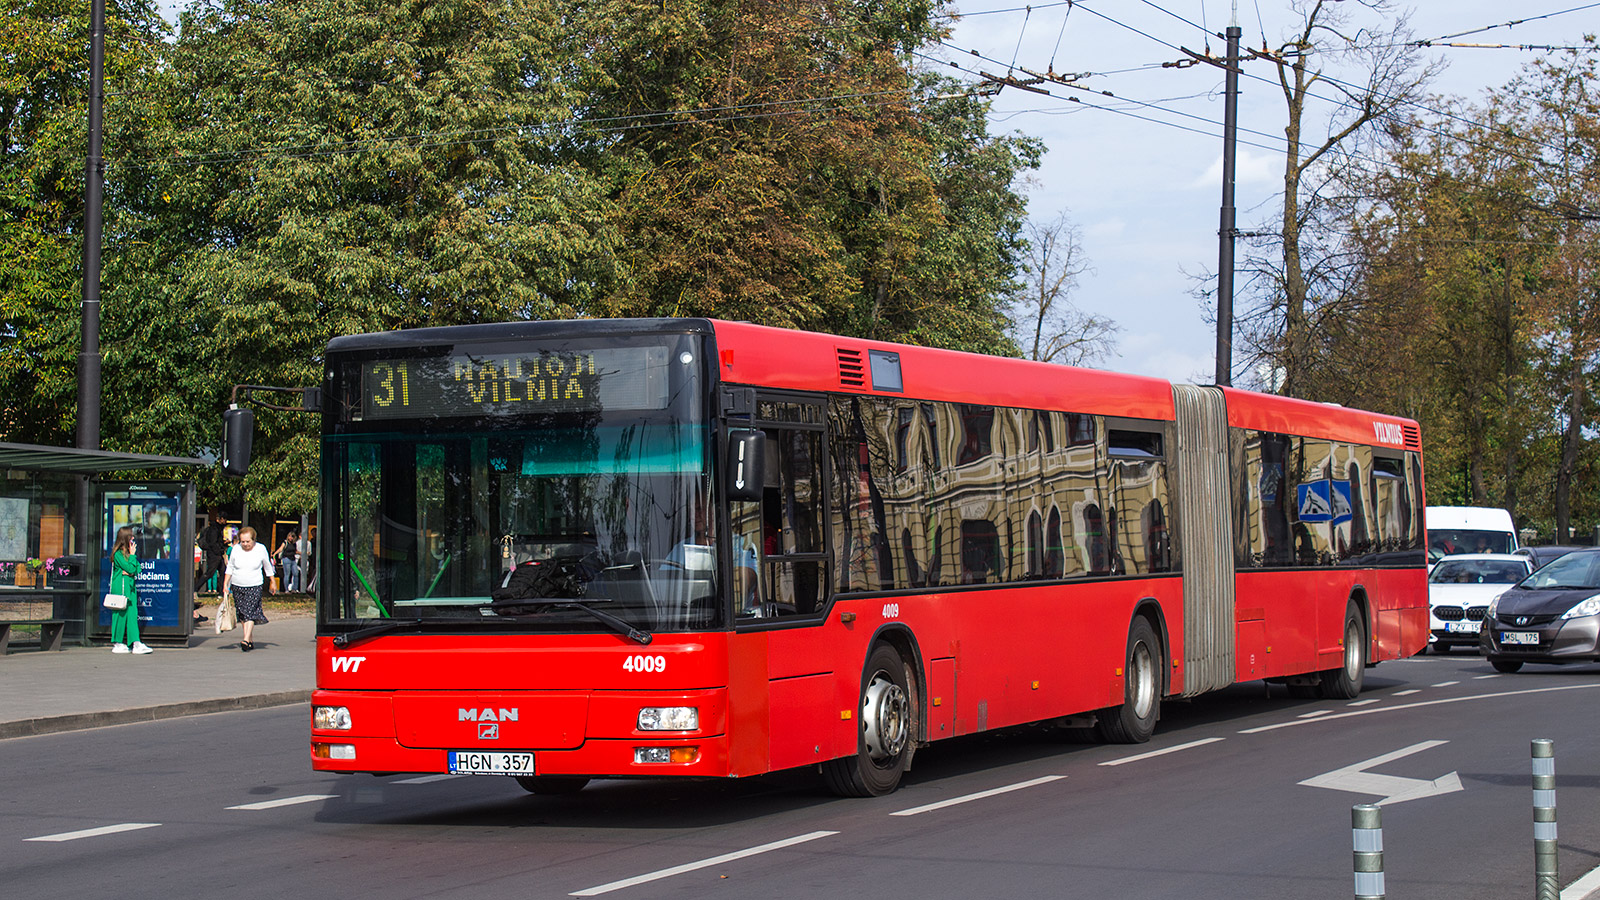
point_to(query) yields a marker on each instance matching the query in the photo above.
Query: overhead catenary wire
(1338, 102)
(1513, 22)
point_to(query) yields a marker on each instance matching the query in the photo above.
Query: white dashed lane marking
(1154, 753)
(968, 798)
(95, 832)
(704, 863)
(286, 801)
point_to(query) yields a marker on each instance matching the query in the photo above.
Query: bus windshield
(478, 518)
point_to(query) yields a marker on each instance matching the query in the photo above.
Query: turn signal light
(333, 751)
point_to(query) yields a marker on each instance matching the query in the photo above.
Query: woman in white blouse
(249, 567)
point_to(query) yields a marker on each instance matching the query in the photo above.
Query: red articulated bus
(681, 547)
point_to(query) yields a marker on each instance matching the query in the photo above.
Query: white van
(1468, 529)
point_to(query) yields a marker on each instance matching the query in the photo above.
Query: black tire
(1508, 666)
(552, 784)
(1135, 720)
(1344, 683)
(887, 734)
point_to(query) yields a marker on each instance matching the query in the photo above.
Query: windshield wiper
(372, 631)
(614, 623)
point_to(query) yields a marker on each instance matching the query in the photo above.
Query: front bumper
(1570, 640)
(593, 734)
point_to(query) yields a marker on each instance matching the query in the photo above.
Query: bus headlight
(669, 718)
(330, 718)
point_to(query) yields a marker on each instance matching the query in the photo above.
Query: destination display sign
(509, 384)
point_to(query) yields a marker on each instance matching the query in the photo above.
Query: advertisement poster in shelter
(153, 518)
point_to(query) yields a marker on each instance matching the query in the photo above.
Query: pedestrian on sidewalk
(212, 541)
(287, 553)
(249, 567)
(124, 575)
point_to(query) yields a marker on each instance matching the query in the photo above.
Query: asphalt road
(226, 805)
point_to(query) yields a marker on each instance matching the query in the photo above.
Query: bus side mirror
(747, 458)
(238, 430)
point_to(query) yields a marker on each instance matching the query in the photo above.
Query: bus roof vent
(1413, 437)
(852, 368)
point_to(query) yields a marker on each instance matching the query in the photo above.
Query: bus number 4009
(638, 663)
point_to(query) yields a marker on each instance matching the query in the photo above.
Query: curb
(80, 721)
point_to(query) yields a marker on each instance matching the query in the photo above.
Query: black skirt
(247, 604)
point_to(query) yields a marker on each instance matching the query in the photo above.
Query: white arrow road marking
(1392, 788)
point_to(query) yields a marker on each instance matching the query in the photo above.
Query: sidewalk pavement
(88, 687)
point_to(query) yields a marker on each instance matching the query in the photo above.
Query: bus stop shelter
(59, 513)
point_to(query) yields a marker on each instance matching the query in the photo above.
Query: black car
(1552, 616)
(1547, 552)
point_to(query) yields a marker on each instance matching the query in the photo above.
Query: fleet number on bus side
(637, 663)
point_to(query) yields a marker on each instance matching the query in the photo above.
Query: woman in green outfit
(124, 571)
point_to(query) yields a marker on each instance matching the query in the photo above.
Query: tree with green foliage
(44, 94)
(349, 166)
(784, 163)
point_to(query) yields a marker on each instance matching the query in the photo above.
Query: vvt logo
(348, 663)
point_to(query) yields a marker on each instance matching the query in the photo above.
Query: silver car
(1552, 616)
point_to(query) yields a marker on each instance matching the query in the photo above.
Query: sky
(1147, 194)
(1140, 173)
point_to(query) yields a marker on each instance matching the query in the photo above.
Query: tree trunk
(1570, 441)
(1295, 338)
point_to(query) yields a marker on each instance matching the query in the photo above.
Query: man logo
(486, 714)
(489, 732)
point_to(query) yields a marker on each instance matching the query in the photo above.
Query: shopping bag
(226, 616)
(115, 601)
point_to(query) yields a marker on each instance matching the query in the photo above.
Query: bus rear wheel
(1135, 720)
(886, 736)
(552, 784)
(1345, 682)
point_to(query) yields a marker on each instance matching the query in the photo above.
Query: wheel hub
(1142, 671)
(885, 713)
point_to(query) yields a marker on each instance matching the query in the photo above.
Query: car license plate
(1462, 627)
(479, 762)
(1519, 637)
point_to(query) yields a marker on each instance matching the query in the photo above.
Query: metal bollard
(1546, 877)
(1366, 836)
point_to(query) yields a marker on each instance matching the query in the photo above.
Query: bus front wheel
(886, 733)
(1135, 720)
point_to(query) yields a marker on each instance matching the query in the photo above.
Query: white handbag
(115, 601)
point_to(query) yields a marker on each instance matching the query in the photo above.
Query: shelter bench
(50, 631)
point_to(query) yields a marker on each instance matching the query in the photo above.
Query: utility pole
(1225, 234)
(89, 353)
(94, 178)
